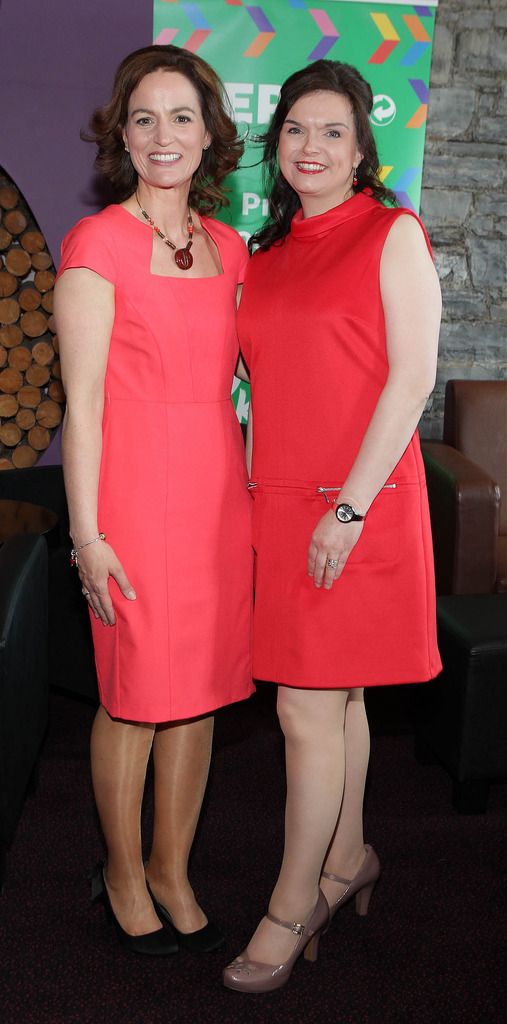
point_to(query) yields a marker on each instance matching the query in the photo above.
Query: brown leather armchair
(467, 476)
(462, 715)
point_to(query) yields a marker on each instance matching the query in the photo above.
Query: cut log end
(24, 456)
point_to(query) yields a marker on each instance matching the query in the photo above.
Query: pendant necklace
(182, 257)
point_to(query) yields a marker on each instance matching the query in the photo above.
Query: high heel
(245, 975)
(361, 886)
(159, 943)
(204, 940)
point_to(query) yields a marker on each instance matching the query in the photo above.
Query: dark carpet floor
(431, 950)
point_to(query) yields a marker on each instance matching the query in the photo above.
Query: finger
(88, 598)
(329, 575)
(342, 561)
(92, 606)
(312, 554)
(320, 568)
(103, 606)
(123, 583)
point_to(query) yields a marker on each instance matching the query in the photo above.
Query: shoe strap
(293, 926)
(337, 878)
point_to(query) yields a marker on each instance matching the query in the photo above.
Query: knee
(306, 716)
(292, 723)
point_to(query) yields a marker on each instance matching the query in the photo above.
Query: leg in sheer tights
(313, 722)
(181, 755)
(119, 757)
(346, 851)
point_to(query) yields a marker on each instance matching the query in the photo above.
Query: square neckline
(176, 277)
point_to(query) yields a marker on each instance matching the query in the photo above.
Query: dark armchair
(23, 673)
(71, 659)
(462, 719)
(467, 475)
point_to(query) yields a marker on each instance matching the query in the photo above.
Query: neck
(312, 206)
(168, 207)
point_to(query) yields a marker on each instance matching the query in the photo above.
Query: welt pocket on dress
(329, 493)
(383, 535)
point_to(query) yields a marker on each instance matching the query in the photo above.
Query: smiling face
(165, 131)
(317, 150)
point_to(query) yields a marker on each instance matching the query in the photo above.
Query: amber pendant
(183, 258)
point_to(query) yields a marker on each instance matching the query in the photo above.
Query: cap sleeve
(89, 245)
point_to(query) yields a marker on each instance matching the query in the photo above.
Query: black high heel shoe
(204, 940)
(162, 942)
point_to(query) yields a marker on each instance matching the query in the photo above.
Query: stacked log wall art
(31, 392)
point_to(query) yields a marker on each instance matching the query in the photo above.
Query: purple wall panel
(57, 61)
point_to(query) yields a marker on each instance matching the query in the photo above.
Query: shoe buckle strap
(293, 926)
(337, 878)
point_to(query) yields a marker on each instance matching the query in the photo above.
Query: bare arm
(412, 309)
(241, 370)
(84, 311)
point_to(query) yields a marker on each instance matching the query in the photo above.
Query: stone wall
(464, 202)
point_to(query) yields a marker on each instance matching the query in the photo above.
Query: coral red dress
(173, 497)
(312, 330)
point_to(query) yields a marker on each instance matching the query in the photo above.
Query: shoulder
(397, 228)
(227, 235)
(406, 233)
(96, 225)
(232, 247)
(92, 244)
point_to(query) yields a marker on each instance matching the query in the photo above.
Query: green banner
(255, 47)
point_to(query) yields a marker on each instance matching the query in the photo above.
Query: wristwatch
(346, 514)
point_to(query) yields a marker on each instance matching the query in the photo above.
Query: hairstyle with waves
(321, 76)
(207, 192)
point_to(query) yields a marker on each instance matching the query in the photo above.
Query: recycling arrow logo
(383, 110)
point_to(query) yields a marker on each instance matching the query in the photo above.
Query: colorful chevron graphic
(421, 90)
(202, 29)
(329, 34)
(403, 183)
(266, 32)
(166, 36)
(389, 35)
(384, 171)
(421, 37)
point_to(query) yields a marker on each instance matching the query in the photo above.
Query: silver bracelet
(74, 552)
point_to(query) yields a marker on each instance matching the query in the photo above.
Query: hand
(96, 564)
(331, 540)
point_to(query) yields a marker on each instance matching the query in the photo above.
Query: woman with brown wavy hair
(155, 478)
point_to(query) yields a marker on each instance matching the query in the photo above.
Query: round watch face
(345, 513)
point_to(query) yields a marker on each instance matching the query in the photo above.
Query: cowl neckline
(311, 227)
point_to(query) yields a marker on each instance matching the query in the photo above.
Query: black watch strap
(345, 513)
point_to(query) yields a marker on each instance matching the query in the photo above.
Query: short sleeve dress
(312, 331)
(173, 497)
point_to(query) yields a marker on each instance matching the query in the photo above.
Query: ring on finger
(85, 593)
(332, 563)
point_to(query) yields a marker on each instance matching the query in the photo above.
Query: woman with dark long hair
(340, 312)
(155, 477)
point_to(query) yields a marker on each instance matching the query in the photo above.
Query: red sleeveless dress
(312, 331)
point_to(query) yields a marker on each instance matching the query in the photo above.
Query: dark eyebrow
(175, 110)
(330, 124)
